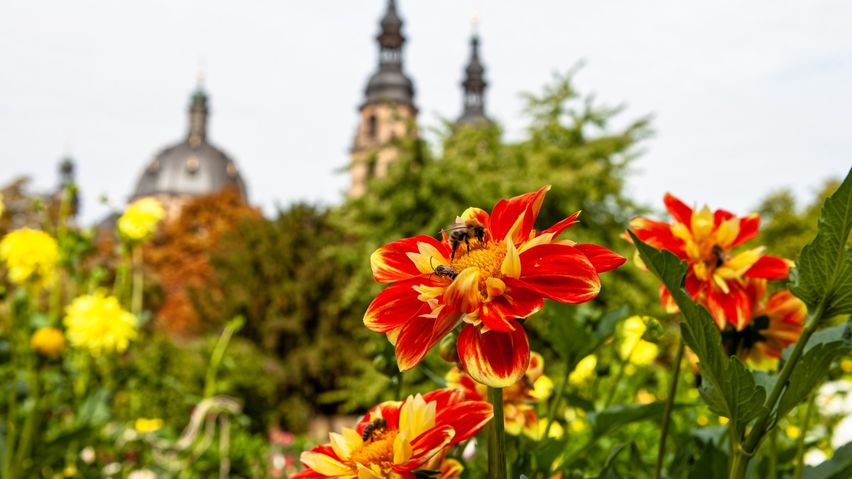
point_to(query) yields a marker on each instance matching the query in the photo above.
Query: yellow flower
(542, 388)
(584, 370)
(30, 256)
(143, 425)
(140, 219)
(633, 348)
(98, 323)
(556, 430)
(702, 420)
(792, 431)
(49, 342)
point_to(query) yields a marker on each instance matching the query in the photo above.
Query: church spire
(389, 83)
(474, 85)
(198, 113)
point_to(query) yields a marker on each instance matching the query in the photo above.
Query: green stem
(31, 422)
(667, 413)
(554, 404)
(138, 281)
(231, 328)
(496, 437)
(772, 473)
(744, 453)
(800, 447)
(621, 367)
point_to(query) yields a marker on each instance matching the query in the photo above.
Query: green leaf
(838, 467)
(823, 274)
(713, 464)
(821, 350)
(572, 341)
(615, 417)
(727, 386)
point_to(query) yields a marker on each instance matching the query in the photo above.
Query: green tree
(279, 275)
(786, 226)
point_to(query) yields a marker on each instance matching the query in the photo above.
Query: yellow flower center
(376, 450)
(487, 258)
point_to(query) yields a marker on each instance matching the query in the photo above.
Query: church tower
(473, 85)
(388, 111)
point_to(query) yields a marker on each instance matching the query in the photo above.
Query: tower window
(372, 127)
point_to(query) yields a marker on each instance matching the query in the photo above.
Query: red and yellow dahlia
(502, 271)
(519, 399)
(776, 322)
(716, 276)
(395, 439)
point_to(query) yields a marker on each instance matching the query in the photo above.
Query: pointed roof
(389, 83)
(474, 85)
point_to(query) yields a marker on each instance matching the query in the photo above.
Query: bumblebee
(447, 271)
(444, 270)
(373, 428)
(462, 232)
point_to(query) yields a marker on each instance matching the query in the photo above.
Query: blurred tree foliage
(281, 277)
(785, 225)
(178, 256)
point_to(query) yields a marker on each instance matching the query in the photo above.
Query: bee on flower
(30, 256)
(48, 341)
(140, 219)
(501, 270)
(398, 439)
(519, 399)
(99, 323)
(716, 275)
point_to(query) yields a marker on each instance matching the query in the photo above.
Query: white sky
(747, 96)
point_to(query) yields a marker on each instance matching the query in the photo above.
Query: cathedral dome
(192, 167)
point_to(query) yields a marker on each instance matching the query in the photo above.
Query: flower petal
(392, 263)
(507, 212)
(325, 464)
(733, 307)
(463, 293)
(601, 258)
(394, 306)
(558, 272)
(561, 226)
(427, 445)
(678, 209)
(748, 229)
(769, 267)
(414, 341)
(493, 358)
(467, 418)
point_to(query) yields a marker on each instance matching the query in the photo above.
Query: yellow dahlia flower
(143, 425)
(49, 342)
(30, 256)
(140, 219)
(98, 323)
(633, 348)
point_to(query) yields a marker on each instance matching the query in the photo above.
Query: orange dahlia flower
(396, 439)
(519, 399)
(487, 273)
(716, 276)
(776, 322)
